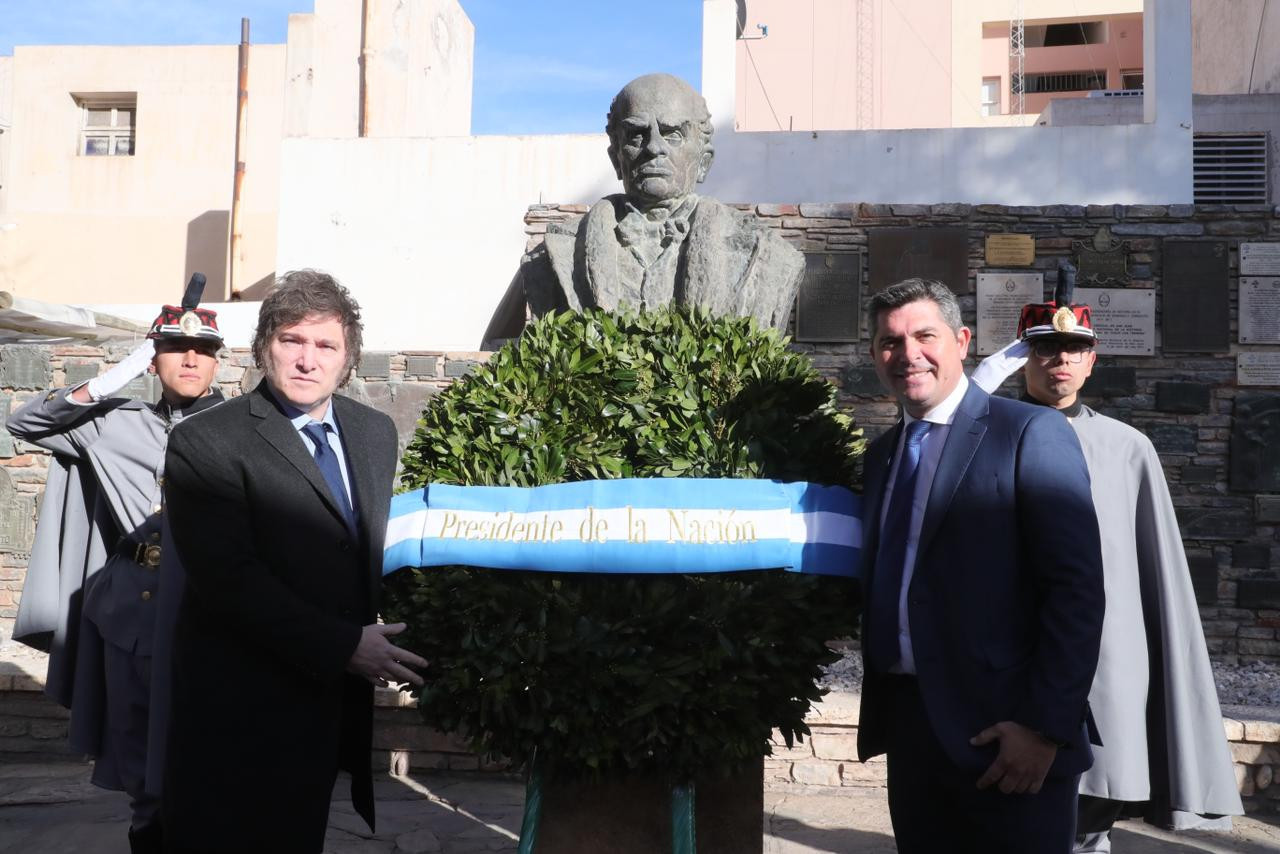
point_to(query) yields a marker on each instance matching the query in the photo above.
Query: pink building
(882, 64)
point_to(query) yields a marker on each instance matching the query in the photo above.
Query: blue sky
(541, 66)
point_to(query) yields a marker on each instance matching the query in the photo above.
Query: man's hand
(1023, 761)
(380, 661)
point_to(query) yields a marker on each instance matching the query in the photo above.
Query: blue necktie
(327, 460)
(891, 554)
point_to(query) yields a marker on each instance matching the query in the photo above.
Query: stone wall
(398, 384)
(1186, 403)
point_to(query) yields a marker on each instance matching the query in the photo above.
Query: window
(107, 125)
(1230, 168)
(1131, 78)
(1064, 35)
(1065, 81)
(991, 96)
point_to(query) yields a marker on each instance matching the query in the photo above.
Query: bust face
(658, 147)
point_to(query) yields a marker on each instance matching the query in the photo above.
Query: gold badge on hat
(1064, 320)
(190, 324)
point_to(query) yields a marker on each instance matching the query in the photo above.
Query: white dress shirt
(931, 446)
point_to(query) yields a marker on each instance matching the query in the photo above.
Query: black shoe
(148, 840)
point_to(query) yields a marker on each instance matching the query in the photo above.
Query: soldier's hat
(186, 320)
(1058, 317)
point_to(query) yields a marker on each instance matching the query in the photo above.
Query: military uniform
(93, 581)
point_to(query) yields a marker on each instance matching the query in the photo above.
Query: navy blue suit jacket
(1005, 604)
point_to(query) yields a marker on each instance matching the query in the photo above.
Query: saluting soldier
(91, 594)
(1164, 757)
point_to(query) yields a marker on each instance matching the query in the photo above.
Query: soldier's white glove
(998, 367)
(133, 365)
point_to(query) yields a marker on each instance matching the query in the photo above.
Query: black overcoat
(264, 712)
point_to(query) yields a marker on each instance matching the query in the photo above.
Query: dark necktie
(327, 460)
(891, 554)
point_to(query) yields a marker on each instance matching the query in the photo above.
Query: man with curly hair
(278, 507)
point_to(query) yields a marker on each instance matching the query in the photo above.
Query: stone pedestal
(633, 815)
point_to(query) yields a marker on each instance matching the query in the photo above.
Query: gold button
(156, 508)
(155, 537)
(146, 595)
(160, 481)
(50, 396)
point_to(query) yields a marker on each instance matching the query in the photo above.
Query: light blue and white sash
(657, 525)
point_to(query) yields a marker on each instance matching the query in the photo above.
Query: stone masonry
(1185, 403)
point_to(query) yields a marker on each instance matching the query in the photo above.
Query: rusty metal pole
(364, 69)
(235, 250)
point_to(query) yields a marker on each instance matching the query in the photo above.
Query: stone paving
(53, 809)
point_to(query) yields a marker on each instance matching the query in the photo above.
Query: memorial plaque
(1011, 250)
(1255, 443)
(1215, 523)
(926, 253)
(1260, 259)
(1196, 304)
(1186, 398)
(17, 517)
(7, 448)
(420, 366)
(1111, 381)
(1102, 260)
(1001, 297)
(25, 367)
(374, 366)
(78, 372)
(1124, 318)
(1204, 578)
(861, 381)
(145, 387)
(1259, 310)
(1258, 368)
(828, 306)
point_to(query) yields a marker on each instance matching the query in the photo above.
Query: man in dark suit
(278, 508)
(984, 605)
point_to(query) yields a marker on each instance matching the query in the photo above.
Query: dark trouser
(122, 763)
(936, 805)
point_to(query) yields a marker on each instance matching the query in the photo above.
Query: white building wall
(6, 132)
(427, 233)
(1141, 163)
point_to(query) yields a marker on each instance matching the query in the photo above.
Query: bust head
(659, 139)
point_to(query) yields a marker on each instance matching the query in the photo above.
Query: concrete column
(719, 63)
(1166, 63)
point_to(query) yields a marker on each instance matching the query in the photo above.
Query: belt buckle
(147, 555)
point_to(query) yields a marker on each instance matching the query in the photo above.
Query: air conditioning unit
(1115, 93)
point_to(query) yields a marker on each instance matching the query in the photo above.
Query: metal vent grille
(1231, 168)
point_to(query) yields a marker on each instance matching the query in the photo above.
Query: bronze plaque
(1255, 443)
(926, 253)
(1011, 250)
(1102, 260)
(1196, 303)
(828, 307)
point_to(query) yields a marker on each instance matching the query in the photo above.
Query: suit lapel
(279, 433)
(967, 430)
(876, 469)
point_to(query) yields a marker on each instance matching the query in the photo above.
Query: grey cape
(103, 483)
(1153, 697)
